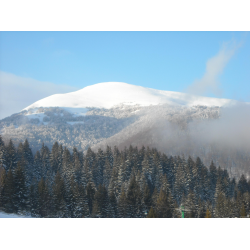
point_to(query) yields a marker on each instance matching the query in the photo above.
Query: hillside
(122, 114)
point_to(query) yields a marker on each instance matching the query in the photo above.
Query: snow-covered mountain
(121, 114)
(109, 94)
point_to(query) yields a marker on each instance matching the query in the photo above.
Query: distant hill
(121, 114)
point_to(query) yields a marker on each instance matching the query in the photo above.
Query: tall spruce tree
(11, 156)
(151, 213)
(58, 196)
(20, 198)
(9, 193)
(122, 204)
(34, 199)
(2, 186)
(43, 199)
(163, 208)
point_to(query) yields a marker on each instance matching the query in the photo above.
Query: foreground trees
(112, 183)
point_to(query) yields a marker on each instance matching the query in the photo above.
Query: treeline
(113, 183)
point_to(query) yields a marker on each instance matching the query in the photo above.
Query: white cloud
(17, 92)
(209, 83)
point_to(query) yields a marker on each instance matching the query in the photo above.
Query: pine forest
(129, 183)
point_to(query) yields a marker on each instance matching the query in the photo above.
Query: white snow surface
(109, 94)
(40, 116)
(6, 215)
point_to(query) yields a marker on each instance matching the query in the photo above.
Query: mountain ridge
(109, 94)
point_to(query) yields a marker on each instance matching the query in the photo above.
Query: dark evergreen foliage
(112, 183)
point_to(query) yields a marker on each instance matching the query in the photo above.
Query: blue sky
(174, 61)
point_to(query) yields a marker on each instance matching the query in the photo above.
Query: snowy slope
(109, 94)
(5, 215)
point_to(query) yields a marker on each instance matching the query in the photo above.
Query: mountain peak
(109, 94)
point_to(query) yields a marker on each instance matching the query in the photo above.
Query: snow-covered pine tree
(78, 168)
(11, 156)
(112, 206)
(100, 206)
(9, 193)
(147, 171)
(158, 170)
(107, 172)
(29, 161)
(191, 204)
(45, 157)
(20, 198)
(109, 156)
(2, 185)
(90, 194)
(33, 198)
(100, 161)
(213, 175)
(3, 154)
(243, 185)
(44, 199)
(19, 151)
(122, 204)
(54, 157)
(189, 173)
(121, 172)
(162, 207)
(220, 200)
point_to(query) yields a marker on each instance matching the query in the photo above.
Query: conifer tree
(242, 211)
(243, 185)
(3, 154)
(100, 167)
(82, 209)
(112, 208)
(19, 151)
(134, 206)
(11, 156)
(208, 214)
(122, 204)
(154, 197)
(33, 199)
(109, 156)
(220, 201)
(45, 157)
(1, 141)
(189, 173)
(9, 192)
(213, 177)
(20, 198)
(100, 205)
(28, 156)
(107, 172)
(43, 199)
(147, 197)
(191, 205)
(151, 213)
(90, 194)
(37, 168)
(54, 157)
(163, 209)
(58, 198)
(2, 185)
(77, 166)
